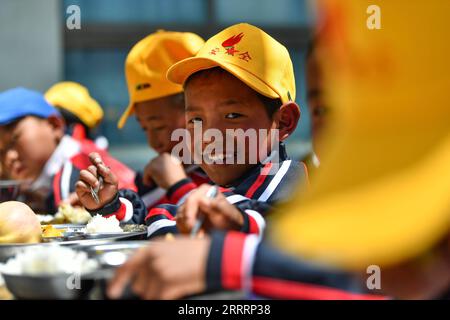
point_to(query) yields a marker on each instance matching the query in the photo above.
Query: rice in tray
(99, 224)
(49, 260)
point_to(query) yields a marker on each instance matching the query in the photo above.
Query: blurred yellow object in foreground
(381, 195)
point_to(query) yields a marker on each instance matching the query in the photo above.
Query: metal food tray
(96, 249)
(80, 237)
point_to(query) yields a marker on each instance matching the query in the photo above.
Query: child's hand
(165, 170)
(218, 212)
(164, 270)
(89, 178)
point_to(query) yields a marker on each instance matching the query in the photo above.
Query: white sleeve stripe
(155, 226)
(65, 180)
(248, 257)
(275, 181)
(259, 220)
(236, 198)
(128, 209)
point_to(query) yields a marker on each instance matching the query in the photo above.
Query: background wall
(31, 43)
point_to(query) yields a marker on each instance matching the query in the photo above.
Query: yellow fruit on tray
(18, 223)
(48, 231)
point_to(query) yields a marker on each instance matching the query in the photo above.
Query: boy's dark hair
(271, 105)
(72, 119)
(11, 126)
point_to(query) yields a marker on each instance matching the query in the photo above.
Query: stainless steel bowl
(9, 190)
(59, 287)
(51, 286)
(109, 254)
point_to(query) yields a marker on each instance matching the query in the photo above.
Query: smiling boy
(241, 79)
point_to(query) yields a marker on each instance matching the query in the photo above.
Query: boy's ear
(288, 117)
(58, 125)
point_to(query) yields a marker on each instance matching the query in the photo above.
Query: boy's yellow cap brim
(182, 70)
(124, 117)
(130, 109)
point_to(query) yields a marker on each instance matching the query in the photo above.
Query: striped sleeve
(253, 212)
(126, 206)
(160, 220)
(275, 181)
(240, 262)
(270, 185)
(180, 189)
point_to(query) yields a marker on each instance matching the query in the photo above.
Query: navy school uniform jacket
(253, 194)
(238, 261)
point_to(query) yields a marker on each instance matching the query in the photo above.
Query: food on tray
(50, 231)
(134, 227)
(18, 223)
(66, 214)
(69, 214)
(49, 260)
(99, 224)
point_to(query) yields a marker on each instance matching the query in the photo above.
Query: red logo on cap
(229, 46)
(231, 42)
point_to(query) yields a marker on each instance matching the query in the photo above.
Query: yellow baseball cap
(248, 53)
(76, 99)
(381, 195)
(147, 64)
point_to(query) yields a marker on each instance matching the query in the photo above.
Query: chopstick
(210, 194)
(94, 192)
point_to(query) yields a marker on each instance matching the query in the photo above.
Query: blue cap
(20, 102)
